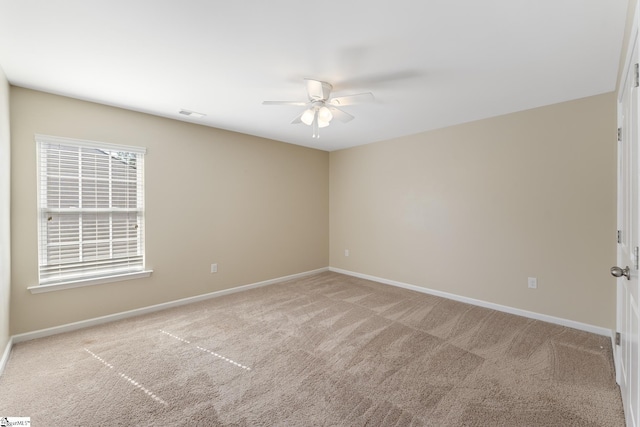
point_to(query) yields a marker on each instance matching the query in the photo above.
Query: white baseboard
(506, 309)
(145, 310)
(139, 311)
(6, 354)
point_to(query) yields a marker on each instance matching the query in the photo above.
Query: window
(91, 211)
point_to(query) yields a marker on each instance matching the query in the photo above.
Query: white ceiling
(430, 64)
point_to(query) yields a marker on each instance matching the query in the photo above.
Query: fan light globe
(307, 116)
(324, 115)
(322, 124)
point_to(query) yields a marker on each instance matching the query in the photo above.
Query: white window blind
(91, 209)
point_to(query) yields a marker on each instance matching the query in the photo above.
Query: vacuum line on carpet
(173, 336)
(213, 353)
(129, 379)
(223, 358)
(104, 362)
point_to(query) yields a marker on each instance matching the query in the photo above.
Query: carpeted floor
(325, 350)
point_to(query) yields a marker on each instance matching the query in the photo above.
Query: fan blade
(340, 115)
(352, 99)
(317, 90)
(297, 119)
(296, 103)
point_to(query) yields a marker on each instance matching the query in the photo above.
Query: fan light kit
(321, 109)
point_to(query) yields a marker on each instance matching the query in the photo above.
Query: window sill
(88, 282)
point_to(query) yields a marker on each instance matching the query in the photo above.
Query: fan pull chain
(316, 128)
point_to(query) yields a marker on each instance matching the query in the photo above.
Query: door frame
(620, 297)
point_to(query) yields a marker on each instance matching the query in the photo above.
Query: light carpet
(324, 350)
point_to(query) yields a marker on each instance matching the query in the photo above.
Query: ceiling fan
(321, 109)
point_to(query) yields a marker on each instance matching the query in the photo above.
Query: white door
(627, 354)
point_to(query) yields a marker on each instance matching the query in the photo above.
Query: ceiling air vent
(192, 114)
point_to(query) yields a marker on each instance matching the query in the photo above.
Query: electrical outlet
(532, 282)
(214, 268)
(346, 252)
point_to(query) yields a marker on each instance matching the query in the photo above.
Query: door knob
(619, 272)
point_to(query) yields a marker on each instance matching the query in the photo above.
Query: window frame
(107, 276)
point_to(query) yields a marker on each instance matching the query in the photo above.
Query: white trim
(5, 355)
(88, 143)
(633, 40)
(150, 309)
(38, 289)
(506, 309)
(145, 310)
(633, 35)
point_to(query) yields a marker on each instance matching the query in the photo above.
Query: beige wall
(472, 210)
(259, 208)
(475, 209)
(5, 242)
